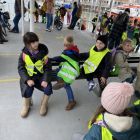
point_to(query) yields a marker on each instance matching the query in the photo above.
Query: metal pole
(111, 5)
(31, 16)
(22, 16)
(99, 13)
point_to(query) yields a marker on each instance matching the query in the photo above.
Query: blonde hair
(129, 41)
(68, 40)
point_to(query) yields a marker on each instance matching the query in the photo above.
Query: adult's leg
(74, 22)
(111, 43)
(51, 19)
(16, 21)
(48, 21)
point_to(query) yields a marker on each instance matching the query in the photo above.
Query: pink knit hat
(116, 97)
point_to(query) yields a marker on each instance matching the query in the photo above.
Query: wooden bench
(133, 61)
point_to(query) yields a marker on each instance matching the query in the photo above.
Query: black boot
(1, 42)
(4, 40)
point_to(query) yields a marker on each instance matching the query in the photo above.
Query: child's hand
(30, 83)
(103, 80)
(44, 84)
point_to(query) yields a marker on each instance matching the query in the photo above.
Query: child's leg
(26, 94)
(89, 77)
(102, 85)
(47, 92)
(70, 95)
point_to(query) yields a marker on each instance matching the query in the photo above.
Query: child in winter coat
(68, 70)
(113, 120)
(33, 68)
(125, 73)
(98, 63)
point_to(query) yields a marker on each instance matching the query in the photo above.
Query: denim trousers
(49, 20)
(16, 21)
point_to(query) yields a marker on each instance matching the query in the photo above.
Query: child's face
(34, 46)
(128, 47)
(100, 45)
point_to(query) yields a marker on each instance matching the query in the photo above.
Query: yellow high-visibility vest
(106, 134)
(29, 65)
(69, 69)
(95, 58)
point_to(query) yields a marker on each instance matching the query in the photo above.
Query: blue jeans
(69, 92)
(67, 88)
(49, 20)
(16, 21)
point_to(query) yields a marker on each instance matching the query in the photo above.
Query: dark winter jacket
(104, 67)
(119, 28)
(72, 52)
(128, 130)
(74, 11)
(42, 52)
(17, 7)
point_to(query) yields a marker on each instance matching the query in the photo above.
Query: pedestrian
(17, 17)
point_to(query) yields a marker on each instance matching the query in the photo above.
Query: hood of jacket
(123, 127)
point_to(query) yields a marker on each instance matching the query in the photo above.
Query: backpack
(44, 7)
(121, 19)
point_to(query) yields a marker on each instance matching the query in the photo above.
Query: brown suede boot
(70, 105)
(26, 107)
(58, 85)
(44, 105)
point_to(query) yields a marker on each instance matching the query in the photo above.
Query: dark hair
(127, 10)
(101, 110)
(75, 3)
(29, 38)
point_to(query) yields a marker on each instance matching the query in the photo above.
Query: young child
(33, 68)
(113, 121)
(120, 61)
(98, 63)
(68, 70)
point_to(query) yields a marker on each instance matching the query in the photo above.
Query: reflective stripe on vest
(69, 69)
(106, 134)
(91, 64)
(29, 65)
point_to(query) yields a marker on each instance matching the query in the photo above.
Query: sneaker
(70, 105)
(48, 30)
(91, 85)
(58, 85)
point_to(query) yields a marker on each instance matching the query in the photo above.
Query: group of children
(34, 68)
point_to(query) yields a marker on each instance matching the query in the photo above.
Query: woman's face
(34, 46)
(127, 47)
(100, 45)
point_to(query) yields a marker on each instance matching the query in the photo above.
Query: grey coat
(121, 60)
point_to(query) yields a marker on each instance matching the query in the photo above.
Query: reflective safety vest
(91, 64)
(137, 102)
(106, 134)
(69, 69)
(29, 65)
